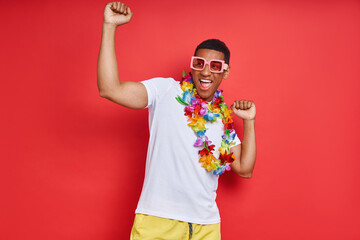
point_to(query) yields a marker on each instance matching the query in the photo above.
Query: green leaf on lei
(179, 99)
(184, 73)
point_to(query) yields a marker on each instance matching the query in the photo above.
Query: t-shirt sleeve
(237, 140)
(156, 88)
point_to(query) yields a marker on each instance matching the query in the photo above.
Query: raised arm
(245, 153)
(126, 93)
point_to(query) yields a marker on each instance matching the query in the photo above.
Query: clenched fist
(117, 13)
(244, 109)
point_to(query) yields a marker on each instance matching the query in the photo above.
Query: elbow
(103, 91)
(103, 94)
(244, 174)
(248, 175)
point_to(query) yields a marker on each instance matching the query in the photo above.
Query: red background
(72, 163)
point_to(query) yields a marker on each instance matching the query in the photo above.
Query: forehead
(209, 54)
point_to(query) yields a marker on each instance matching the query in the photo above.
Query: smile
(205, 84)
(205, 81)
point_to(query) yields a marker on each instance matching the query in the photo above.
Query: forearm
(107, 69)
(248, 148)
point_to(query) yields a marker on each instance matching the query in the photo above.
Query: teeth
(205, 81)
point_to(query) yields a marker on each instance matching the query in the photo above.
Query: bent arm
(126, 93)
(245, 153)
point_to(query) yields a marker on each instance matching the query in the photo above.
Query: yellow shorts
(148, 227)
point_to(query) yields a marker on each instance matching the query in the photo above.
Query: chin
(206, 97)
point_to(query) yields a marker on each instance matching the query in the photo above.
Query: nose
(206, 70)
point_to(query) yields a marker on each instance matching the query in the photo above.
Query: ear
(227, 72)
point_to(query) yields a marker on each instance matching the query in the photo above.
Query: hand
(244, 109)
(117, 13)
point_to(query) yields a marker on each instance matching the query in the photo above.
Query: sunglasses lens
(215, 66)
(198, 63)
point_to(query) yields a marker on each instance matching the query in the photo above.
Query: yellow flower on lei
(208, 162)
(226, 112)
(197, 124)
(186, 86)
(213, 109)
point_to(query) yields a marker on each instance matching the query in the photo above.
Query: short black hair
(215, 44)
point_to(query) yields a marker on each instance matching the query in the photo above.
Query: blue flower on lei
(187, 97)
(210, 116)
(220, 170)
(229, 138)
(217, 94)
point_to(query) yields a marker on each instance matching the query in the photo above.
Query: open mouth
(205, 84)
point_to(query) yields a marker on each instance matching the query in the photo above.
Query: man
(192, 140)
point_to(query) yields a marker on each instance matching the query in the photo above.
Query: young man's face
(206, 82)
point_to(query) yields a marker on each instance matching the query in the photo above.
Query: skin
(128, 94)
(134, 95)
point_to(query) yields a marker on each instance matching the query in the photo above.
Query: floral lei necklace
(199, 112)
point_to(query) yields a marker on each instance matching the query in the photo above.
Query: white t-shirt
(176, 186)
